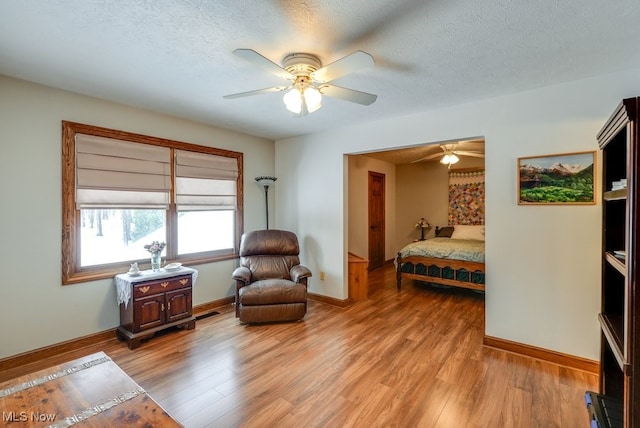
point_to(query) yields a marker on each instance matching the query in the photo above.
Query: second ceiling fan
(450, 155)
(309, 80)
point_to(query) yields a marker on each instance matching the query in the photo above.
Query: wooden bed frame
(470, 268)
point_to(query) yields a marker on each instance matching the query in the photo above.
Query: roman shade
(205, 181)
(112, 173)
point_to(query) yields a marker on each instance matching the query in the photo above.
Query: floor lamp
(265, 182)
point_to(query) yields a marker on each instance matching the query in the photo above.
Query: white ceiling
(175, 56)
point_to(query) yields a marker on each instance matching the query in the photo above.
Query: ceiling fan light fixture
(313, 99)
(293, 101)
(449, 159)
(302, 100)
(306, 74)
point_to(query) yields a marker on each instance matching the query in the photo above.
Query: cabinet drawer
(144, 289)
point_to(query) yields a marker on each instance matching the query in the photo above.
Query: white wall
(543, 262)
(35, 309)
(358, 205)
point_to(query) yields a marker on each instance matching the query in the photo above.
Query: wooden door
(376, 219)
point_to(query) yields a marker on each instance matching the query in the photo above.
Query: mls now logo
(25, 416)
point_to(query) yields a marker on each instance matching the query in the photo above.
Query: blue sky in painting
(585, 159)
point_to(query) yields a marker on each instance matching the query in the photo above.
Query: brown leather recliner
(271, 285)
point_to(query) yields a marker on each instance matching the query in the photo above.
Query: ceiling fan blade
(257, 92)
(346, 65)
(266, 64)
(472, 154)
(429, 157)
(348, 94)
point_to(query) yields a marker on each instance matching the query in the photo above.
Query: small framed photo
(562, 179)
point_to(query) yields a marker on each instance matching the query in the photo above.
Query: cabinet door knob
(162, 307)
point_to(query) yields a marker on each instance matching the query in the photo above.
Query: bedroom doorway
(376, 193)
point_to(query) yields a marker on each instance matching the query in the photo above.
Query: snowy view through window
(118, 235)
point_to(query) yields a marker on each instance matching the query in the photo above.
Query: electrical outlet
(321, 276)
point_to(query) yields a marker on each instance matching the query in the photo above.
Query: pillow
(444, 232)
(467, 231)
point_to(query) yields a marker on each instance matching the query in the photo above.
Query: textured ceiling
(175, 56)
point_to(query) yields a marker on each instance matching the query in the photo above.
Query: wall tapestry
(466, 197)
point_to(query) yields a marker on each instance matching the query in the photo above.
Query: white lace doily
(124, 281)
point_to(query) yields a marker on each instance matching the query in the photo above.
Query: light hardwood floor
(398, 359)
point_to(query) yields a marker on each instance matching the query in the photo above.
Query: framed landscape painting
(563, 179)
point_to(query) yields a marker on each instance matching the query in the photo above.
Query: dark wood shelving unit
(620, 317)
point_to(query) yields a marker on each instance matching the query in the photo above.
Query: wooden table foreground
(89, 391)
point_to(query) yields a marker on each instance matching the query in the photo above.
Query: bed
(455, 257)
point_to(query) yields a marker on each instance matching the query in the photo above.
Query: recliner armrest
(242, 274)
(299, 272)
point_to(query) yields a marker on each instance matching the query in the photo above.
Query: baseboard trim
(91, 339)
(55, 349)
(554, 357)
(329, 300)
(206, 308)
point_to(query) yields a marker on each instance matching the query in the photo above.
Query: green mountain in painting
(558, 184)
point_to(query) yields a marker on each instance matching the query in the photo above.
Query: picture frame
(557, 179)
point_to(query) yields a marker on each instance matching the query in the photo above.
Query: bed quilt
(470, 250)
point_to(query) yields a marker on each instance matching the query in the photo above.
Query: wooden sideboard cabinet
(155, 305)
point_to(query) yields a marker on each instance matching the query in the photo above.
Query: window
(123, 190)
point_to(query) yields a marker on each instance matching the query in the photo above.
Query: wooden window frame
(72, 272)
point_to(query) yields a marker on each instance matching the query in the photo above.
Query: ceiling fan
(308, 79)
(450, 155)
